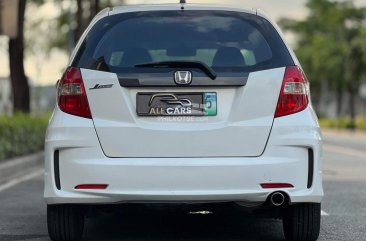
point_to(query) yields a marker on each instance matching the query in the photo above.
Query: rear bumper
(174, 180)
(81, 161)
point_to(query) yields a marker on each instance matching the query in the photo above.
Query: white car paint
(224, 158)
(241, 128)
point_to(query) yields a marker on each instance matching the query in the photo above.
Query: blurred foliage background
(21, 134)
(331, 45)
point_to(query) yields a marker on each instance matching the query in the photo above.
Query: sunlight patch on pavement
(200, 213)
(324, 213)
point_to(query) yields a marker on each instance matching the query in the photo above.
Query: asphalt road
(23, 216)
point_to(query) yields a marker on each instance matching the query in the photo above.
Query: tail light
(294, 96)
(71, 94)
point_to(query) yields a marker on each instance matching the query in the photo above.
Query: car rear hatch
(183, 83)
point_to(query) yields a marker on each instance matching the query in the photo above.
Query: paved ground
(23, 217)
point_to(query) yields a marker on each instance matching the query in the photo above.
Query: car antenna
(182, 2)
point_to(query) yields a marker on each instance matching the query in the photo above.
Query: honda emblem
(183, 77)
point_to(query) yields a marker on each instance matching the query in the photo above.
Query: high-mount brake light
(71, 94)
(294, 95)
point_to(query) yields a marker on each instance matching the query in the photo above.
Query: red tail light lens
(276, 185)
(92, 186)
(71, 94)
(294, 96)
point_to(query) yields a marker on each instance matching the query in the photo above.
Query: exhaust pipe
(277, 199)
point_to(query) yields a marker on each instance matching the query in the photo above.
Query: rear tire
(65, 222)
(301, 222)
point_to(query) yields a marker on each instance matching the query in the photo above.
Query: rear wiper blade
(182, 64)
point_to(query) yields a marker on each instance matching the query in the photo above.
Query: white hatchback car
(183, 104)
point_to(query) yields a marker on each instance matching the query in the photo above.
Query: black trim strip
(57, 169)
(310, 167)
(196, 82)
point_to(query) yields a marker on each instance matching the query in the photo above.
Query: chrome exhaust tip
(277, 199)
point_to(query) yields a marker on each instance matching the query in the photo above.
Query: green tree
(72, 22)
(19, 81)
(330, 47)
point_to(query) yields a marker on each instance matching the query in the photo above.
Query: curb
(20, 166)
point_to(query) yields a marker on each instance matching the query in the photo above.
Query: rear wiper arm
(182, 64)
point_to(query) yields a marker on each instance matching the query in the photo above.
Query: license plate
(176, 104)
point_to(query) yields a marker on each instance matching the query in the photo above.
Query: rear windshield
(225, 41)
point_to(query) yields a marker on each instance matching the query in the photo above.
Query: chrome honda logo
(183, 77)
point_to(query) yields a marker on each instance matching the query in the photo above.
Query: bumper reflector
(92, 186)
(276, 185)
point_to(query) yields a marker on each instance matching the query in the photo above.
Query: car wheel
(301, 222)
(65, 222)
